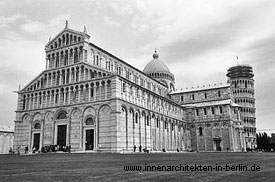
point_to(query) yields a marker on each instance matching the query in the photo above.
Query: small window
(205, 111)
(221, 109)
(123, 87)
(62, 116)
(200, 131)
(219, 93)
(213, 110)
(157, 123)
(89, 121)
(193, 97)
(37, 126)
(205, 95)
(197, 112)
(181, 98)
(136, 118)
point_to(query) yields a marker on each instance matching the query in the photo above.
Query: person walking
(26, 149)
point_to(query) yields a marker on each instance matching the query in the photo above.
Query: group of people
(140, 149)
(54, 148)
(44, 149)
(146, 150)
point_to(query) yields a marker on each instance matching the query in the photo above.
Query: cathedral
(90, 100)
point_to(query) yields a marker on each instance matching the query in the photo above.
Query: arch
(89, 120)
(75, 113)
(89, 110)
(143, 113)
(25, 117)
(61, 114)
(123, 106)
(37, 116)
(48, 115)
(104, 134)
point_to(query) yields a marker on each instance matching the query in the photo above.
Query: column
(145, 128)
(94, 92)
(58, 97)
(73, 56)
(50, 95)
(84, 76)
(81, 134)
(33, 102)
(46, 99)
(60, 59)
(65, 77)
(69, 76)
(69, 96)
(64, 97)
(79, 93)
(75, 76)
(106, 90)
(79, 74)
(89, 92)
(60, 78)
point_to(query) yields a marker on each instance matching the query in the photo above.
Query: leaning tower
(241, 80)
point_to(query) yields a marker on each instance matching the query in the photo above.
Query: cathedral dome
(159, 71)
(156, 66)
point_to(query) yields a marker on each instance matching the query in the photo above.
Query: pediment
(34, 83)
(66, 37)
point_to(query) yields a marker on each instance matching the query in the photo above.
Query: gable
(66, 37)
(31, 86)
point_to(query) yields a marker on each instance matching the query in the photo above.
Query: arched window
(62, 116)
(37, 126)
(200, 131)
(136, 117)
(157, 123)
(89, 121)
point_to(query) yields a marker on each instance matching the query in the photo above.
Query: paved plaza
(111, 167)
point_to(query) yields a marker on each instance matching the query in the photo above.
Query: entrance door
(218, 145)
(61, 135)
(89, 140)
(36, 140)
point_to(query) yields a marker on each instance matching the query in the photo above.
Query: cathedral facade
(91, 100)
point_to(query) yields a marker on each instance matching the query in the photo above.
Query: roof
(136, 69)
(200, 89)
(6, 129)
(156, 66)
(212, 103)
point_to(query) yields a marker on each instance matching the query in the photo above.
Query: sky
(197, 39)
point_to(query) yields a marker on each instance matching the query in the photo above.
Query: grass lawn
(110, 167)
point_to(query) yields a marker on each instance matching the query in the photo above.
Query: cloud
(6, 21)
(33, 27)
(197, 39)
(109, 21)
(10, 77)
